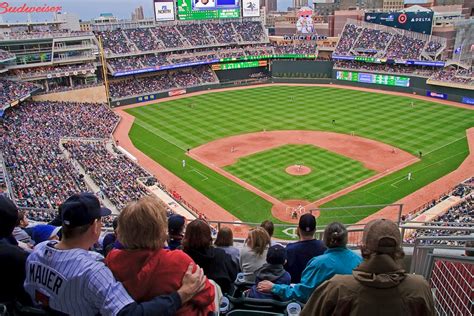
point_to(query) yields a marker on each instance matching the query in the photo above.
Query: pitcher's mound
(298, 170)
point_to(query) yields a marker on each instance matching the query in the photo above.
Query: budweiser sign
(5, 7)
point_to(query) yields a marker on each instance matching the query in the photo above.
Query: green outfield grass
(330, 172)
(164, 131)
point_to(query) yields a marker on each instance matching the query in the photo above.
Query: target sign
(402, 18)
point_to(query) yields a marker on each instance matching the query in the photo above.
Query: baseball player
(63, 276)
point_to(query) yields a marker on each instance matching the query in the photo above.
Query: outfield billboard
(208, 9)
(420, 22)
(164, 10)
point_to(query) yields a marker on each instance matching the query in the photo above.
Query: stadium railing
(450, 274)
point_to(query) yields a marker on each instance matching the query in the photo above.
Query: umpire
(66, 277)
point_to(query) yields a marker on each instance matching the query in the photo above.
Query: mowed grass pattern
(330, 172)
(164, 131)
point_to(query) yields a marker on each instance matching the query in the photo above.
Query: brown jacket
(377, 287)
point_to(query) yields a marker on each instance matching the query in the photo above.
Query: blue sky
(88, 9)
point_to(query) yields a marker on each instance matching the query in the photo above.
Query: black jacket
(12, 273)
(217, 266)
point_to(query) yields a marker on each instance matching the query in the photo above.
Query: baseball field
(434, 134)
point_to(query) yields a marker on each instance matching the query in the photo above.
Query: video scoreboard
(208, 9)
(387, 80)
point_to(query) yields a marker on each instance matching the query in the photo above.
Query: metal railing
(451, 276)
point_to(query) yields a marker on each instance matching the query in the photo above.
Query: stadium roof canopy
(416, 8)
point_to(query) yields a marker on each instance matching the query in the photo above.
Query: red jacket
(147, 274)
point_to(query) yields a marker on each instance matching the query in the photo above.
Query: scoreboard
(208, 9)
(387, 80)
(240, 65)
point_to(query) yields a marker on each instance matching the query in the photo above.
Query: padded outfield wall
(305, 71)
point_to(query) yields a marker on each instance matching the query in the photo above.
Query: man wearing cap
(379, 286)
(302, 251)
(63, 276)
(12, 257)
(176, 224)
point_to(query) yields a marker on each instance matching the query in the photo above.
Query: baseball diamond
(436, 130)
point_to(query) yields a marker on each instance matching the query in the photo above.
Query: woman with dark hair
(215, 262)
(337, 259)
(225, 241)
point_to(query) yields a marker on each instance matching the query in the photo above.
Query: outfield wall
(309, 72)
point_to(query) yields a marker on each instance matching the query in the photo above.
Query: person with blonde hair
(215, 262)
(254, 253)
(144, 267)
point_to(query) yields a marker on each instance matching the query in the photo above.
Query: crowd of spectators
(40, 175)
(460, 215)
(195, 34)
(116, 175)
(249, 31)
(363, 40)
(11, 91)
(347, 39)
(43, 34)
(143, 39)
(161, 82)
(183, 35)
(205, 54)
(116, 42)
(453, 74)
(404, 47)
(4, 55)
(168, 36)
(371, 39)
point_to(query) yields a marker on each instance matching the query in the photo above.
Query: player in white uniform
(65, 277)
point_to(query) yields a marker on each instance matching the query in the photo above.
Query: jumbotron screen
(208, 9)
(386, 80)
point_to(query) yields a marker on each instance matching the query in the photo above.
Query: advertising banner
(437, 95)
(176, 92)
(468, 100)
(420, 22)
(164, 10)
(250, 8)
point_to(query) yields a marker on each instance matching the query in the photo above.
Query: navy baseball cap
(82, 209)
(276, 254)
(307, 222)
(176, 223)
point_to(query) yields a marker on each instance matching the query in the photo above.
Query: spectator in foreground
(269, 227)
(110, 239)
(302, 251)
(337, 259)
(253, 254)
(19, 232)
(379, 286)
(12, 257)
(74, 270)
(272, 271)
(225, 241)
(217, 265)
(176, 224)
(144, 266)
(45, 232)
